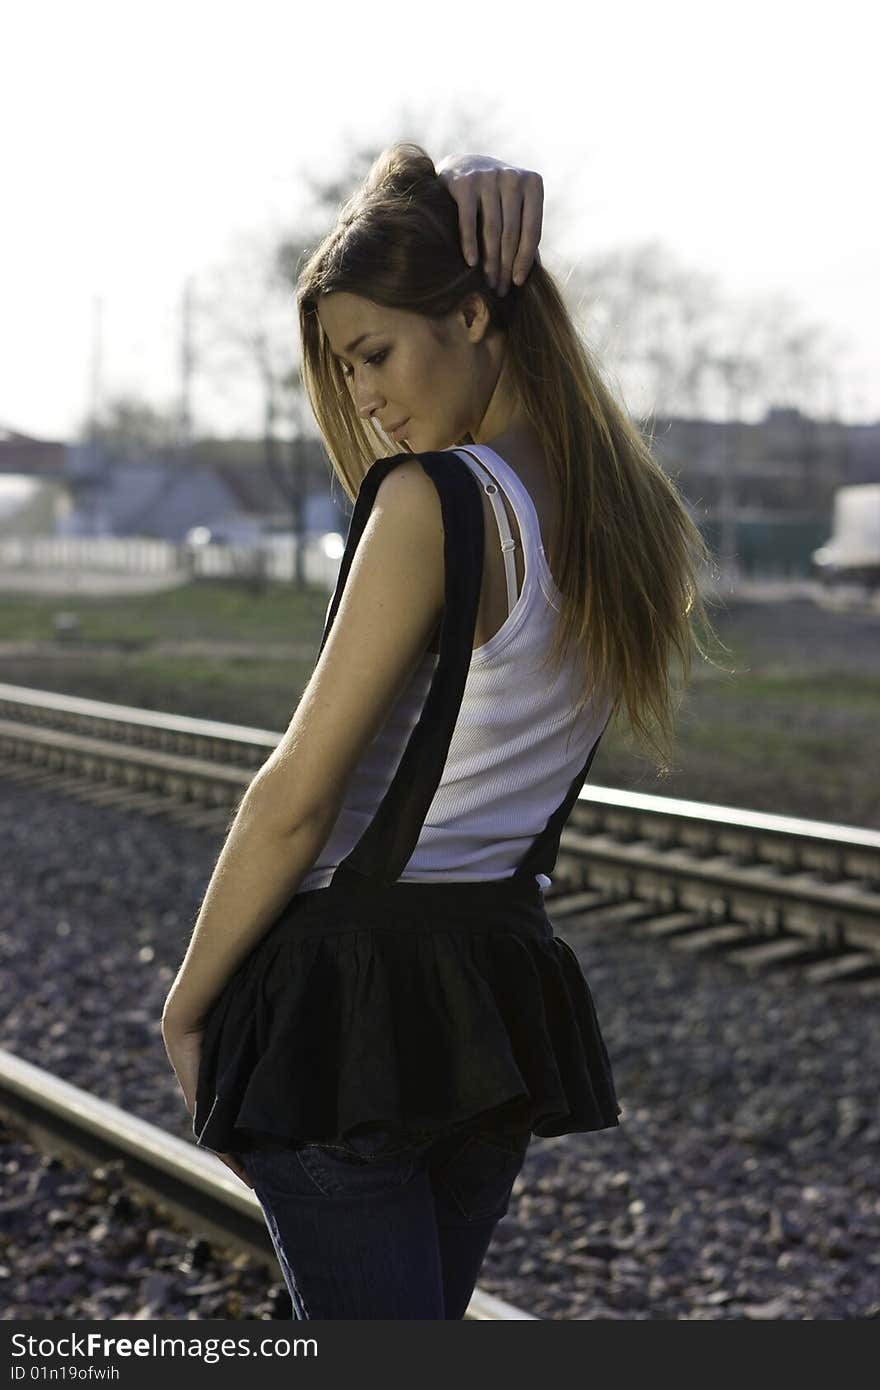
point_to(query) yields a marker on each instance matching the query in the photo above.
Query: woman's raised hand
(512, 202)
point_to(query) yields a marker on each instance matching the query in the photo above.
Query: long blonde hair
(629, 553)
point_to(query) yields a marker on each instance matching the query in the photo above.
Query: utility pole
(95, 388)
(187, 362)
(726, 503)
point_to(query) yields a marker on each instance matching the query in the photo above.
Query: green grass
(236, 688)
(859, 693)
(217, 610)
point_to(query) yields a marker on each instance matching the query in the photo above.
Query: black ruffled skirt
(391, 1014)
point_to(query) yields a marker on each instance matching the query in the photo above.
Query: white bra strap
(508, 543)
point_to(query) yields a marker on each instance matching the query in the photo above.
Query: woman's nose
(368, 405)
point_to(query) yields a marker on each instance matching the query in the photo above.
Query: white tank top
(517, 744)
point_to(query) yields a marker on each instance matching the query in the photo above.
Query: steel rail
(770, 889)
(192, 1185)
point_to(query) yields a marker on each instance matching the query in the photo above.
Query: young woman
(374, 1015)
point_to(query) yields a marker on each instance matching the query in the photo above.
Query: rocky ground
(740, 1183)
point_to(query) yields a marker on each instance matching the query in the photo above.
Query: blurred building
(102, 491)
(764, 492)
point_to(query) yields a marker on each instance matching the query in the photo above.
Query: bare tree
(677, 334)
(127, 426)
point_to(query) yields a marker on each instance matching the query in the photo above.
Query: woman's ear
(475, 315)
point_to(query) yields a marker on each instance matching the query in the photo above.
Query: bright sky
(141, 141)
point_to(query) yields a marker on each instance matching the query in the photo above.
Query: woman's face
(434, 376)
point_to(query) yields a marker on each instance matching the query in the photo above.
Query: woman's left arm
(391, 604)
(389, 609)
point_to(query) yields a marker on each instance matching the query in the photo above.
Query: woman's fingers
(465, 192)
(531, 222)
(490, 203)
(511, 204)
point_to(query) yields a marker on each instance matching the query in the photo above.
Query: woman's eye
(375, 360)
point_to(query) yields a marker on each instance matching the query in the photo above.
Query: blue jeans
(391, 1237)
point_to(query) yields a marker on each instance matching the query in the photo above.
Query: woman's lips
(398, 433)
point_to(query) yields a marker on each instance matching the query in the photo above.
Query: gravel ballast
(742, 1181)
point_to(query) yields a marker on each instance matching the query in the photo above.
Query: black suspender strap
(541, 855)
(386, 845)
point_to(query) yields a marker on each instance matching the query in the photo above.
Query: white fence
(138, 554)
(274, 557)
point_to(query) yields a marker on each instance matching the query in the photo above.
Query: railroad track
(771, 892)
(193, 1188)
